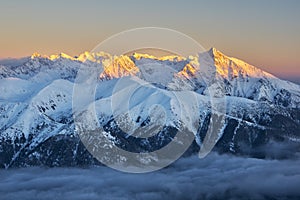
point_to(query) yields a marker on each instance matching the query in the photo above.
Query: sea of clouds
(214, 177)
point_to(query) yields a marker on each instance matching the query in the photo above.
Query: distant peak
(52, 57)
(142, 55)
(213, 49)
(214, 52)
(92, 56)
(37, 55)
(61, 55)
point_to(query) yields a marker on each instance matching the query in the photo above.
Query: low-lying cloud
(215, 177)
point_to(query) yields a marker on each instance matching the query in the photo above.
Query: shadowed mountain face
(261, 112)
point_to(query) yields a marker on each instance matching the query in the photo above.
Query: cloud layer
(215, 177)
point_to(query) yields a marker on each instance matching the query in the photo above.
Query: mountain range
(37, 126)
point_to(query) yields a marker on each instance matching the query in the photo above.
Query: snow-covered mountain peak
(61, 55)
(37, 55)
(52, 57)
(118, 66)
(93, 56)
(213, 51)
(230, 67)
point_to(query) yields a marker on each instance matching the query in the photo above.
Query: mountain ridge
(92, 56)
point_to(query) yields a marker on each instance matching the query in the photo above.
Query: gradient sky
(265, 33)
